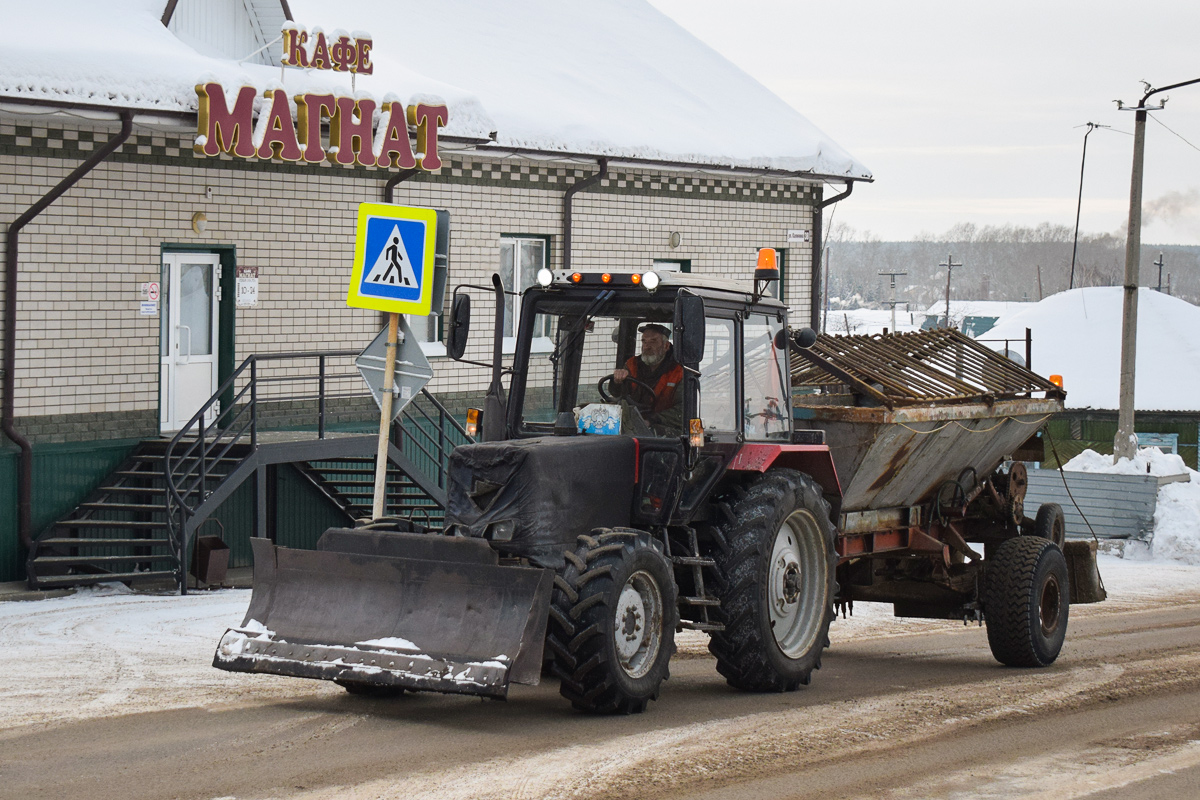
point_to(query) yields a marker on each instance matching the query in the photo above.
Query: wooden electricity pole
(949, 265)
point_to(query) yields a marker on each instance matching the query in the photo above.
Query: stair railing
(192, 458)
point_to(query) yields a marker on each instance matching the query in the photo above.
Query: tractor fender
(812, 459)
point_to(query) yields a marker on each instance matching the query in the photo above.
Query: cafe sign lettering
(360, 131)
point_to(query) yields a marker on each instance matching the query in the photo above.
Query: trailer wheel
(613, 620)
(777, 584)
(1050, 524)
(1027, 601)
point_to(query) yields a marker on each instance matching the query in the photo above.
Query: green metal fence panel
(302, 512)
(12, 556)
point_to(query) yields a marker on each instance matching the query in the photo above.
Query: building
(156, 238)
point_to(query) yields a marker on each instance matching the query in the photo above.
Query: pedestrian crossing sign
(393, 259)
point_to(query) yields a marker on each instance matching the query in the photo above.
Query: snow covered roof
(975, 308)
(609, 77)
(1077, 334)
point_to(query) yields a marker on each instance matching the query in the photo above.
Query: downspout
(815, 304)
(389, 188)
(25, 461)
(586, 183)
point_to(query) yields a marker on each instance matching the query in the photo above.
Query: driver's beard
(651, 361)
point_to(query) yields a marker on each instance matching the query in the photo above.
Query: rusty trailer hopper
(905, 413)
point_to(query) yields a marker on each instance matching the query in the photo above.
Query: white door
(190, 295)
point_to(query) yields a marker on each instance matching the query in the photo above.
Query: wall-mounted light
(199, 222)
(675, 239)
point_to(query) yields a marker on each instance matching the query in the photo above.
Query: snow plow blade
(423, 612)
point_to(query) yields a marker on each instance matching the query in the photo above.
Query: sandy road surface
(112, 697)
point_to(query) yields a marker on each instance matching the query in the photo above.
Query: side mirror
(460, 326)
(689, 330)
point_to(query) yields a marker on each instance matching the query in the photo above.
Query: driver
(657, 367)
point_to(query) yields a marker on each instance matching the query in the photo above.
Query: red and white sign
(152, 291)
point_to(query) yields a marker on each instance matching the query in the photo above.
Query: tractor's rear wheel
(1027, 601)
(777, 583)
(613, 617)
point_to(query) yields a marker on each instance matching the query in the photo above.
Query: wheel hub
(637, 624)
(796, 600)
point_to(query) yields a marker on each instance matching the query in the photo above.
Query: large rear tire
(1027, 601)
(1050, 524)
(613, 618)
(777, 583)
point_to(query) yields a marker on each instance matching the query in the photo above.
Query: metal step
(133, 489)
(67, 541)
(103, 506)
(709, 627)
(60, 560)
(50, 581)
(110, 523)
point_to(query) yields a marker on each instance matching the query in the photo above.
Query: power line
(1185, 141)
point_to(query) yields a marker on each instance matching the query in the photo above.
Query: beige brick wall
(83, 346)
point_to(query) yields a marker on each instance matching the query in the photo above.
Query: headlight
(650, 280)
(545, 277)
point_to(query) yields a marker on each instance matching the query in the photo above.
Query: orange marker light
(767, 268)
(606, 278)
(635, 278)
(576, 277)
(1056, 380)
(696, 433)
(472, 421)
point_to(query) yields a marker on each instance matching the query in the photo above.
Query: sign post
(393, 272)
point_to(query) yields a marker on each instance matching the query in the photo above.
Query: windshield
(610, 365)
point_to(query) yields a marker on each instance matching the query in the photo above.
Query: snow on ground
(868, 321)
(106, 652)
(1077, 334)
(1177, 515)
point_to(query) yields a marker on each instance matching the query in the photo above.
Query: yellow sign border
(420, 307)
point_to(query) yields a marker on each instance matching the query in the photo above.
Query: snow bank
(1077, 334)
(1177, 515)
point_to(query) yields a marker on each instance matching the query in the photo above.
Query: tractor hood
(533, 497)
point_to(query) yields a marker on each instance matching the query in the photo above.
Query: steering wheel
(641, 404)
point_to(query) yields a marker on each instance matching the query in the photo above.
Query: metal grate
(911, 368)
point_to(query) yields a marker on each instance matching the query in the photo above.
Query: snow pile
(1177, 515)
(1077, 334)
(609, 77)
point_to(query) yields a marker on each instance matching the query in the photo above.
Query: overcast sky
(972, 112)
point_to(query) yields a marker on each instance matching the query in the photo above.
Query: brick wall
(85, 352)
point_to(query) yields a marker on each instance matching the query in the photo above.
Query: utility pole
(1039, 273)
(949, 265)
(825, 317)
(1125, 442)
(1159, 264)
(1091, 126)
(892, 302)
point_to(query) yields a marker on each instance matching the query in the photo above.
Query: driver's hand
(620, 375)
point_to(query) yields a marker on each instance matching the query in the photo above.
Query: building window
(672, 265)
(428, 331)
(520, 259)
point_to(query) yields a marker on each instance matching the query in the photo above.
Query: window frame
(540, 344)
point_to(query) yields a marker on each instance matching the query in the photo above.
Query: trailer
(750, 481)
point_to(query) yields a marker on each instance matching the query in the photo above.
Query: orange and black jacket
(665, 378)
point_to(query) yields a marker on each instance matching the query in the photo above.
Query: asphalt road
(926, 714)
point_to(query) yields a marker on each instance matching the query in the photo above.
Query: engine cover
(533, 497)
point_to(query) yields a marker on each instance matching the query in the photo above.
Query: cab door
(188, 349)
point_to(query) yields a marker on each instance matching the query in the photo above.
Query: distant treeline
(998, 263)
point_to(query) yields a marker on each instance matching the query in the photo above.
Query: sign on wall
(393, 259)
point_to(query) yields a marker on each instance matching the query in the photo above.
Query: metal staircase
(140, 522)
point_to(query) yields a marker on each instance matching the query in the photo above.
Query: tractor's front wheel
(613, 619)
(777, 583)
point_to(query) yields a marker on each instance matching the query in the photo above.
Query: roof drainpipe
(389, 188)
(815, 314)
(25, 462)
(586, 183)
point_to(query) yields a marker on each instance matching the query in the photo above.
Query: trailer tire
(1027, 601)
(1050, 524)
(777, 583)
(612, 622)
